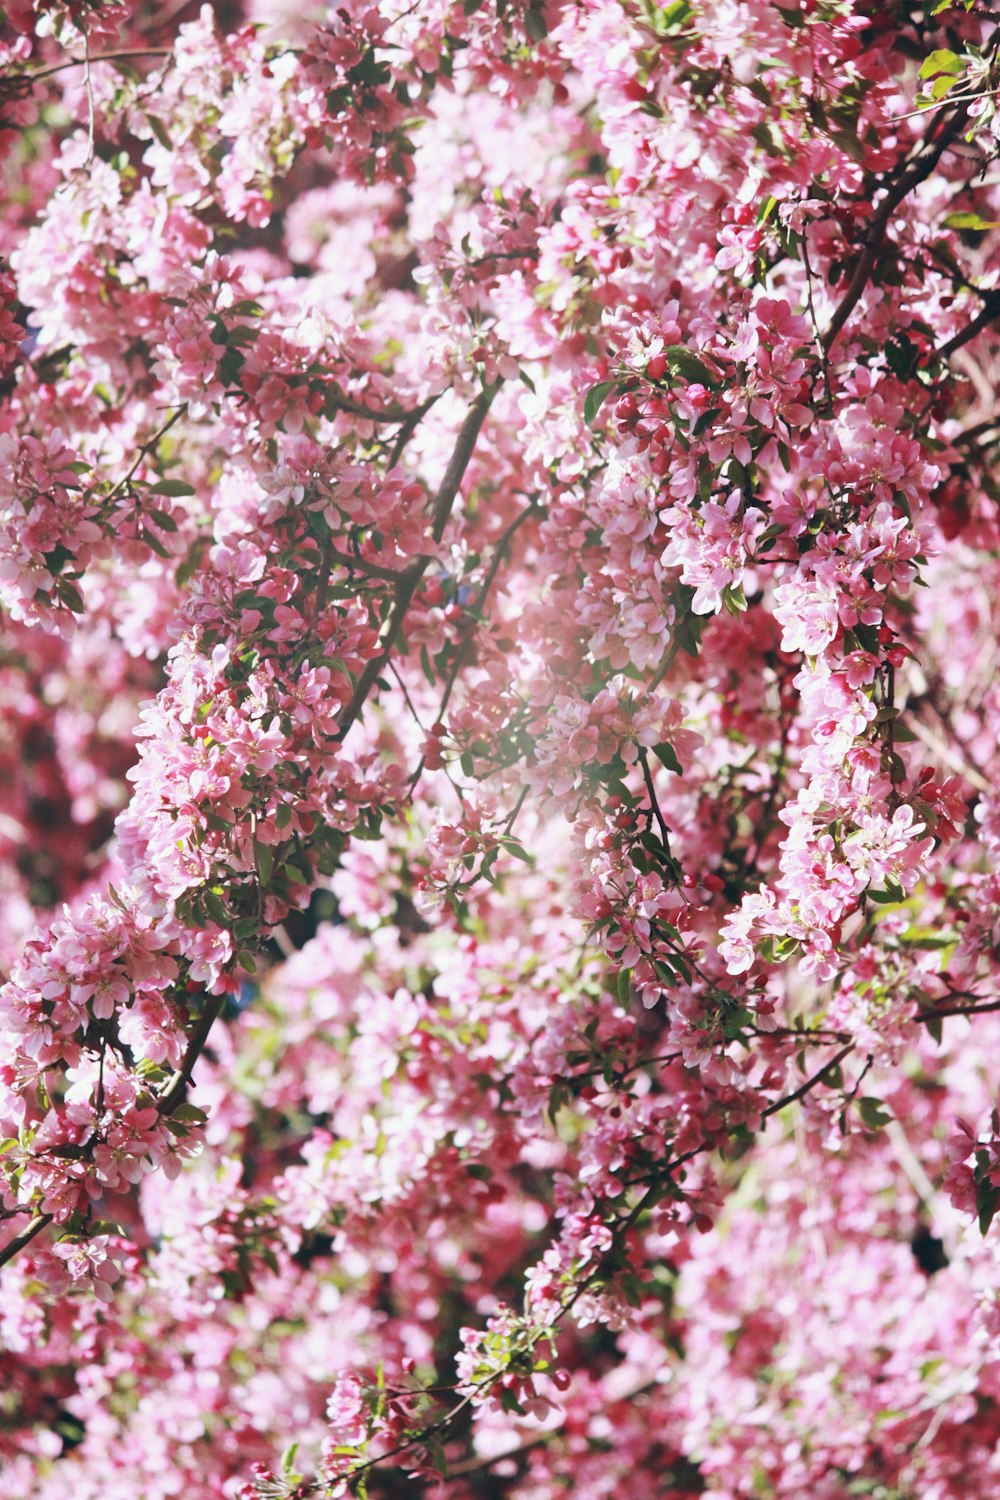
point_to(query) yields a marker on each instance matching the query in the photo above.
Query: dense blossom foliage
(500, 896)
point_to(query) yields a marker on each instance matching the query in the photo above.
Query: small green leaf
(943, 85)
(214, 907)
(165, 522)
(873, 1112)
(160, 131)
(891, 896)
(941, 60)
(624, 985)
(265, 861)
(734, 598)
(666, 755)
(686, 364)
(987, 1203)
(187, 568)
(153, 543)
(534, 25)
(595, 399)
(175, 487)
(189, 1114)
(969, 221)
(70, 595)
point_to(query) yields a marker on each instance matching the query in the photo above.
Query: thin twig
(647, 777)
(123, 54)
(144, 452)
(89, 90)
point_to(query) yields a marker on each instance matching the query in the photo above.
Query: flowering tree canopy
(500, 899)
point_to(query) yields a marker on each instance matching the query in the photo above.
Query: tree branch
(983, 319)
(170, 1098)
(173, 1091)
(24, 1238)
(410, 579)
(927, 159)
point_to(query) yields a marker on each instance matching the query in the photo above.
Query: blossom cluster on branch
(499, 814)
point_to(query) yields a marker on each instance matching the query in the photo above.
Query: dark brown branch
(927, 159)
(362, 565)
(384, 414)
(988, 315)
(24, 1238)
(956, 1010)
(175, 1088)
(810, 1083)
(647, 777)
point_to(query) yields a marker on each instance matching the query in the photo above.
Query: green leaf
(190, 564)
(189, 1114)
(214, 907)
(176, 487)
(624, 985)
(595, 399)
(534, 25)
(165, 522)
(666, 755)
(941, 60)
(686, 364)
(969, 221)
(160, 131)
(264, 856)
(230, 366)
(734, 599)
(243, 334)
(891, 896)
(873, 1112)
(70, 595)
(987, 1203)
(153, 543)
(704, 420)
(942, 86)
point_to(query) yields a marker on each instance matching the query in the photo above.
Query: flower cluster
(499, 911)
